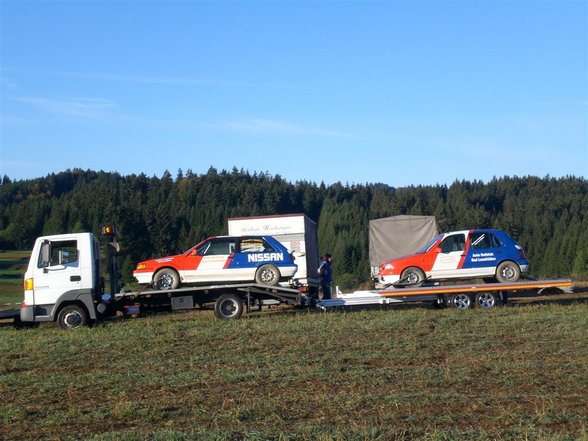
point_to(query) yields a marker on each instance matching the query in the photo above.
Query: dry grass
(512, 373)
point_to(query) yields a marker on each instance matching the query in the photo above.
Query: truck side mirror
(45, 257)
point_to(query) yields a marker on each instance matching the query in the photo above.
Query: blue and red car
(222, 259)
(479, 253)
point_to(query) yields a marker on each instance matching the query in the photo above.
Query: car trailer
(485, 296)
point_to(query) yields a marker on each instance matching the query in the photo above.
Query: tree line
(158, 216)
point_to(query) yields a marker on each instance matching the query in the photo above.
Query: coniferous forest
(158, 216)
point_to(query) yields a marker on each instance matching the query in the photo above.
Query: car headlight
(388, 266)
(141, 266)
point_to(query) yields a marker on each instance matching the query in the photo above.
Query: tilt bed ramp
(231, 301)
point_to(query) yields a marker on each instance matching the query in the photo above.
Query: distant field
(12, 268)
(512, 373)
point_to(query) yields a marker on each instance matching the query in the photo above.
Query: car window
(218, 247)
(256, 245)
(484, 241)
(428, 246)
(455, 242)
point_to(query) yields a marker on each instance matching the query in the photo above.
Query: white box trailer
(297, 232)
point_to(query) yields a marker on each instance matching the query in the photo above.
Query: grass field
(12, 268)
(513, 373)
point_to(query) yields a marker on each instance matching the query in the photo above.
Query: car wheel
(72, 316)
(228, 307)
(486, 300)
(267, 275)
(413, 276)
(461, 301)
(508, 272)
(166, 278)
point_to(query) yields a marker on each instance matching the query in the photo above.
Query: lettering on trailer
(483, 257)
(265, 257)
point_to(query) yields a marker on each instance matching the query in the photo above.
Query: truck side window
(62, 253)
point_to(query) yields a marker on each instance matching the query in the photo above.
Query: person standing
(325, 272)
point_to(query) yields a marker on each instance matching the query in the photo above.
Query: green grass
(13, 265)
(412, 373)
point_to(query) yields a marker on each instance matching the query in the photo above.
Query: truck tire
(72, 316)
(508, 272)
(228, 307)
(413, 276)
(166, 278)
(486, 300)
(268, 275)
(461, 301)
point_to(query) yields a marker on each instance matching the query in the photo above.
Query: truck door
(57, 271)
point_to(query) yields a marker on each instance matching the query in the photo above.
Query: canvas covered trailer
(397, 236)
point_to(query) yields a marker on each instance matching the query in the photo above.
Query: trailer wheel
(461, 301)
(413, 276)
(267, 275)
(486, 300)
(228, 307)
(166, 278)
(72, 316)
(508, 272)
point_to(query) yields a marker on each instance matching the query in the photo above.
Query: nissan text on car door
(480, 253)
(259, 259)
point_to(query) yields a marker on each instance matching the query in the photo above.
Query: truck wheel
(486, 300)
(461, 301)
(413, 276)
(72, 316)
(267, 275)
(508, 272)
(166, 278)
(228, 307)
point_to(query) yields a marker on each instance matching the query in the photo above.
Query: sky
(395, 92)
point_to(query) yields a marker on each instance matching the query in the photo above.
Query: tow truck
(63, 283)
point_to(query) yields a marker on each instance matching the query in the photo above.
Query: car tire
(72, 317)
(508, 272)
(228, 307)
(166, 278)
(267, 275)
(414, 276)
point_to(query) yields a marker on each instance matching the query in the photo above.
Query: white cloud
(79, 107)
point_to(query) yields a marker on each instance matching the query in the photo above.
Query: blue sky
(398, 92)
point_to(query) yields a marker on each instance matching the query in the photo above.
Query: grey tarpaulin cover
(397, 236)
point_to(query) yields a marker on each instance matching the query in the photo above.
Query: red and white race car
(480, 253)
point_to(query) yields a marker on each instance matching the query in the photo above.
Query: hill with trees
(164, 215)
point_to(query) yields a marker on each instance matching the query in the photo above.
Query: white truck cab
(63, 282)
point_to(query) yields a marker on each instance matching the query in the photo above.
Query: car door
(215, 265)
(483, 254)
(450, 256)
